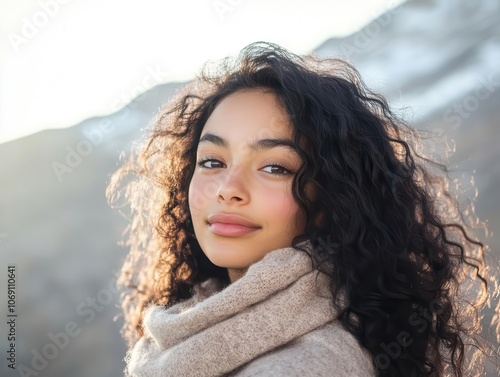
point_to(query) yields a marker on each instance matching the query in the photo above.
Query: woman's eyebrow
(254, 146)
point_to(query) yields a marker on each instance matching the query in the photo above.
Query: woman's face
(244, 169)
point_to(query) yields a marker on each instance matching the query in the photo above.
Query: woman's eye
(277, 170)
(209, 163)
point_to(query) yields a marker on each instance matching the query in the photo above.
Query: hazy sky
(62, 61)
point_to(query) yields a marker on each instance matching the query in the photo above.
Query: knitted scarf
(279, 299)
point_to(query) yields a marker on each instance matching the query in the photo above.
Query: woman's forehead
(252, 112)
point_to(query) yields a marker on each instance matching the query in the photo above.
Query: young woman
(283, 224)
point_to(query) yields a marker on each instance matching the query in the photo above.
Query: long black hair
(384, 222)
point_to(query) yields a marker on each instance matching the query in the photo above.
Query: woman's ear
(312, 194)
(320, 219)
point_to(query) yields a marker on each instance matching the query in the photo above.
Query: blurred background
(80, 80)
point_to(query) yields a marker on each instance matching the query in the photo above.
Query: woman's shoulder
(326, 351)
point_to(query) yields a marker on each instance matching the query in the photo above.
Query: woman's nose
(233, 187)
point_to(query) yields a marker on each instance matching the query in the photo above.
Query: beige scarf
(279, 299)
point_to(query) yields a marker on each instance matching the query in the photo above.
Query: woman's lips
(230, 230)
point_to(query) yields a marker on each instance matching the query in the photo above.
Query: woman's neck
(235, 274)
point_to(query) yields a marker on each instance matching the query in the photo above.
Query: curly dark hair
(391, 235)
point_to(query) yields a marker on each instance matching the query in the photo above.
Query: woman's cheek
(201, 191)
(279, 205)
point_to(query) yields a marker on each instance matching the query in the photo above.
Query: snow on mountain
(426, 54)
